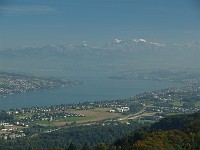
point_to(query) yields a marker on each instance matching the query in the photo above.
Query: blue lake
(93, 89)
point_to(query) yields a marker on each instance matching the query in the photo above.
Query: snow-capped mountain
(133, 44)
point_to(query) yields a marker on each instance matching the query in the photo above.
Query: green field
(2, 79)
(66, 120)
(27, 115)
(147, 121)
(177, 104)
(197, 104)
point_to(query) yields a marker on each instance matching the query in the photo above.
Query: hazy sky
(42, 22)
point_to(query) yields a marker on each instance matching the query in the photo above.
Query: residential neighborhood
(11, 83)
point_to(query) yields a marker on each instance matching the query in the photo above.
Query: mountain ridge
(137, 53)
(130, 45)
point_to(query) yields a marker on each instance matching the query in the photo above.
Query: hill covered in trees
(179, 132)
(72, 138)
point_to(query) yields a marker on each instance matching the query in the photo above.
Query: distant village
(11, 83)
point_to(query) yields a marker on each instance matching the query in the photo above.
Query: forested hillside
(77, 136)
(179, 132)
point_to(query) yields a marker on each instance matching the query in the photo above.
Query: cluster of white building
(120, 110)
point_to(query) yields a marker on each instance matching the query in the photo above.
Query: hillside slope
(179, 132)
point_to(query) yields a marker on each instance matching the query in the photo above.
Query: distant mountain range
(120, 54)
(130, 46)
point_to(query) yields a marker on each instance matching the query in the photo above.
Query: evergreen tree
(86, 147)
(72, 146)
(101, 147)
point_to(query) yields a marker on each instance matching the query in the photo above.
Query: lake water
(93, 89)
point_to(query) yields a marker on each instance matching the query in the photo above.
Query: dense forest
(78, 136)
(179, 132)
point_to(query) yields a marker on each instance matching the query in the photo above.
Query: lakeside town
(11, 83)
(144, 108)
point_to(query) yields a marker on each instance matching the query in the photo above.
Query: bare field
(96, 114)
(91, 115)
